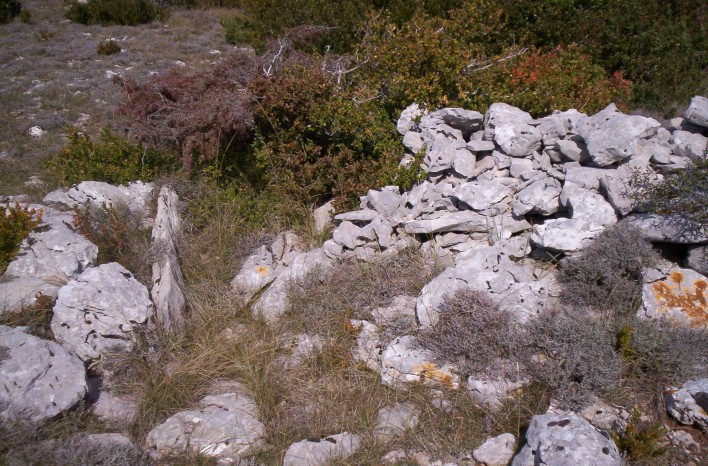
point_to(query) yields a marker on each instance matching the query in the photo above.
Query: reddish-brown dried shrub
(196, 115)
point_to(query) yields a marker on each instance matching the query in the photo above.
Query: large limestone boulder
(225, 426)
(100, 311)
(669, 228)
(680, 295)
(319, 452)
(39, 379)
(559, 440)
(612, 136)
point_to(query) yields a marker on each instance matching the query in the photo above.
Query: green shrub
(110, 158)
(109, 12)
(8, 10)
(473, 332)
(641, 440)
(108, 47)
(26, 16)
(316, 141)
(16, 222)
(684, 193)
(607, 275)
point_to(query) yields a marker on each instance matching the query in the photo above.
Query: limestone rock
(413, 141)
(466, 121)
(136, 196)
(612, 136)
(323, 217)
(697, 111)
(100, 310)
(669, 228)
(274, 301)
(265, 265)
(356, 216)
(115, 410)
(491, 391)
(679, 296)
(24, 292)
(511, 130)
(394, 420)
(689, 403)
(691, 145)
(481, 195)
(368, 347)
(401, 307)
(555, 439)
(496, 451)
(541, 197)
(167, 282)
(39, 379)
(696, 259)
(226, 427)
(404, 362)
(319, 452)
(408, 118)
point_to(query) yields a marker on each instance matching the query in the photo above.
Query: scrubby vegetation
(108, 47)
(9, 9)
(108, 158)
(107, 12)
(607, 275)
(16, 222)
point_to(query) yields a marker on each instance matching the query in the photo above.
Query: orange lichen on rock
(430, 371)
(262, 270)
(686, 295)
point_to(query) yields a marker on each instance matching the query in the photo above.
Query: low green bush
(108, 47)
(109, 12)
(16, 222)
(8, 10)
(108, 158)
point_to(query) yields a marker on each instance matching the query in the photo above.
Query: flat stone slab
(39, 379)
(679, 296)
(226, 426)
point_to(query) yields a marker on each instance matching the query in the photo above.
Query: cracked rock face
(99, 311)
(555, 439)
(319, 452)
(226, 427)
(136, 196)
(39, 379)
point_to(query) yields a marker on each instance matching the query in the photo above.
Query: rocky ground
(331, 349)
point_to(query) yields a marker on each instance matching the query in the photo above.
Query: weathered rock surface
(225, 427)
(319, 452)
(24, 292)
(39, 379)
(669, 228)
(689, 403)
(697, 111)
(99, 312)
(167, 282)
(274, 301)
(555, 439)
(690, 145)
(492, 390)
(404, 361)
(496, 451)
(136, 196)
(113, 410)
(680, 295)
(612, 136)
(394, 420)
(696, 259)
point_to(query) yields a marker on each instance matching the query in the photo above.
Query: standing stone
(39, 379)
(167, 282)
(100, 311)
(558, 440)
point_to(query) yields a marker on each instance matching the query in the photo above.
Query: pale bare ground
(51, 76)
